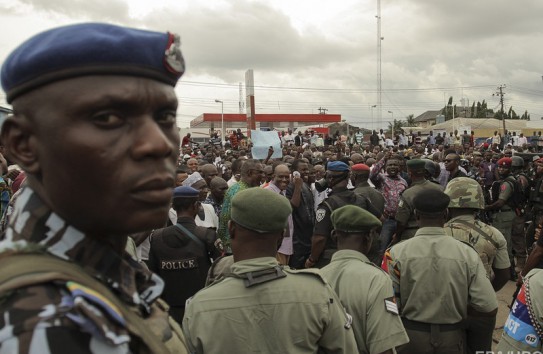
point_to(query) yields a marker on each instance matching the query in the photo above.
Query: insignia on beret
(320, 214)
(173, 59)
(505, 161)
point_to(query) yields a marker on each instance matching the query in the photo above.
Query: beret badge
(173, 59)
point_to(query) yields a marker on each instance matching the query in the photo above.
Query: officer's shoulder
(67, 304)
(310, 273)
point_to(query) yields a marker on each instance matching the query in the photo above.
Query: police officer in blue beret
(94, 129)
(182, 253)
(337, 179)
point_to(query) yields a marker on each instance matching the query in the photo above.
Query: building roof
(205, 120)
(426, 116)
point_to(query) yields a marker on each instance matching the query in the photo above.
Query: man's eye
(166, 117)
(107, 119)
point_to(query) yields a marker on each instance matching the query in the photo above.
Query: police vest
(477, 235)
(158, 333)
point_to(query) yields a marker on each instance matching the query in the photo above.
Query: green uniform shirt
(366, 292)
(493, 251)
(436, 277)
(298, 313)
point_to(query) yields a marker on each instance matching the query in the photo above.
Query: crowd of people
(120, 237)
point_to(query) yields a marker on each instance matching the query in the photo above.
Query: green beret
(415, 164)
(260, 210)
(431, 201)
(350, 218)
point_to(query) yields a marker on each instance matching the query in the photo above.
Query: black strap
(479, 230)
(190, 234)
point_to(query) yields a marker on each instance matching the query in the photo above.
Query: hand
(298, 182)
(309, 263)
(519, 280)
(270, 152)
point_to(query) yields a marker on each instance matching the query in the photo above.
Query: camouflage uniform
(67, 317)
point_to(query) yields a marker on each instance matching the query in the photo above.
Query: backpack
(519, 198)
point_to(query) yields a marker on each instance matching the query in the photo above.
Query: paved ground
(504, 300)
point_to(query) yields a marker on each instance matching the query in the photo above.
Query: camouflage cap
(465, 193)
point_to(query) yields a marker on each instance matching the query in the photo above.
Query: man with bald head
(218, 188)
(209, 171)
(279, 184)
(356, 158)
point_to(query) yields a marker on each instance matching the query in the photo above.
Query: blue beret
(91, 49)
(337, 166)
(185, 192)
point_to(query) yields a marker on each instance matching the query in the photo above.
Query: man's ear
(232, 229)
(20, 143)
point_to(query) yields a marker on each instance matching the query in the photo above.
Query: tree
(396, 127)
(409, 121)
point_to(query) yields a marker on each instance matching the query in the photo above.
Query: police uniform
(504, 217)
(181, 261)
(405, 214)
(262, 307)
(81, 296)
(366, 190)
(523, 329)
(435, 279)
(363, 288)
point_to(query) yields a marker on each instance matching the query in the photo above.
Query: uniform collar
(462, 217)
(254, 264)
(431, 231)
(349, 254)
(33, 223)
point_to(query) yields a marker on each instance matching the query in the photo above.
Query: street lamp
(223, 140)
(372, 107)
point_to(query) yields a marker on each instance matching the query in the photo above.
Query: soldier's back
(294, 313)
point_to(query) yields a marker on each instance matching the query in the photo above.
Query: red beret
(505, 161)
(485, 145)
(540, 160)
(359, 167)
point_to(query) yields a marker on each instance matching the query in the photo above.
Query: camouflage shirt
(66, 317)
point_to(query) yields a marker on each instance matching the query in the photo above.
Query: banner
(262, 141)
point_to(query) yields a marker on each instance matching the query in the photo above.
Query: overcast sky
(308, 54)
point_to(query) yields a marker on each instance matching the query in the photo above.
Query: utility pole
(379, 75)
(501, 94)
(322, 110)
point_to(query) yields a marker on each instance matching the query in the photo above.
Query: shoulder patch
(391, 306)
(320, 214)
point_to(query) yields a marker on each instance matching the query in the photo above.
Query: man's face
(451, 162)
(503, 170)
(209, 172)
(281, 177)
(107, 151)
(393, 168)
(180, 177)
(192, 164)
(256, 175)
(303, 168)
(219, 190)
